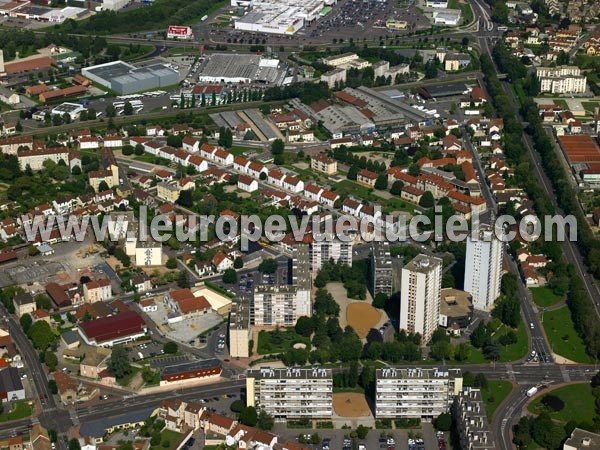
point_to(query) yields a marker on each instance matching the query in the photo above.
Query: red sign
(179, 31)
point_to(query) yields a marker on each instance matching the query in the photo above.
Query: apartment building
(24, 303)
(324, 164)
(167, 191)
(291, 393)
(282, 305)
(420, 296)
(340, 60)
(561, 80)
(240, 332)
(471, 421)
(330, 249)
(402, 393)
(382, 272)
(35, 158)
(334, 76)
(484, 271)
(97, 290)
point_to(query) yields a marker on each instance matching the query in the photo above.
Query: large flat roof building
(382, 271)
(415, 392)
(238, 68)
(125, 78)
(113, 330)
(277, 16)
(291, 393)
(239, 330)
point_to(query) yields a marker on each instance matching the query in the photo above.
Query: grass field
(351, 187)
(238, 150)
(563, 338)
(169, 439)
(542, 296)
(20, 410)
(579, 403)
(278, 341)
(496, 392)
(515, 351)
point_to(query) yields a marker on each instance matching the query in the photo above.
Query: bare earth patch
(362, 317)
(350, 404)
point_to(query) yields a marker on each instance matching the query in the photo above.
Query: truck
(531, 392)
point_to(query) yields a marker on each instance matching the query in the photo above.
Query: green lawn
(238, 150)
(127, 378)
(278, 341)
(496, 392)
(590, 106)
(579, 403)
(20, 410)
(353, 188)
(515, 351)
(398, 204)
(169, 439)
(543, 296)
(564, 340)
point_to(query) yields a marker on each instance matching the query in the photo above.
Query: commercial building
(282, 305)
(382, 272)
(436, 3)
(484, 269)
(403, 393)
(240, 332)
(239, 68)
(112, 330)
(186, 304)
(74, 110)
(420, 296)
(11, 388)
(451, 17)
(56, 94)
(277, 16)
(190, 370)
(180, 32)
(291, 393)
(471, 421)
(328, 249)
(124, 78)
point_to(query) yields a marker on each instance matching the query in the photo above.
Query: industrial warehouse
(278, 17)
(124, 78)
(228, 68)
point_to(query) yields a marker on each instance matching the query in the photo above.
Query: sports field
(350, 404)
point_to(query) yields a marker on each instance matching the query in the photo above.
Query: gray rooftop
(289, 373)
(97, 428)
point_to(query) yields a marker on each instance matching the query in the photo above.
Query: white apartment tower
(484, 269)
(403, 393)
(420, 296)
(291, 393)
(282, 305)
(328, 249)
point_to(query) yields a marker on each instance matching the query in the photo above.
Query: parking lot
(424, 438)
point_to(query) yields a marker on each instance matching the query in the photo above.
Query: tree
(396, 188)
(304, 326)
(41, 335)
(51, 360)
(139, 149)
(185, 198)
(52, 434)
(479, 335)
(237, 406)
(182, 279)
(103, 186)
(127, 150)
(229, 276)
(26, 321)
(128, 109)
(238, 263)
(33, 250)
(427, 200)
(170, 347)
(52, 387)
(381, 182)
(380, 300)
(352, 173)
(265, 421)
(268, 266)
(362, 431)
(118, 363)
(279, 160)
(440, 350)
(509, 338)
(76, 170)
(248, 416)
(480, 381)
(111, 111)
(171, 263)
(277, 147)
(74, 444)
(443, 422)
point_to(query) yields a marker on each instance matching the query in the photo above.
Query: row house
(247, 184)
(435, 184)
(198, 163)
(474, 203)
(9, 146)
(112, 141)
(308, 207)
(366, 178)
(190, 145)
(216, 155)
(300, 135)
(89, 142)
(395, 174)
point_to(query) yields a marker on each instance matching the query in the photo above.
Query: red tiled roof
(109, 328)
